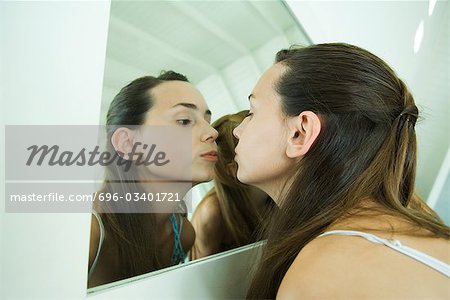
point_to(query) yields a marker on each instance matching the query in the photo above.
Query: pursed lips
(210, 156)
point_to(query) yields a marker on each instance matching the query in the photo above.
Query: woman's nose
(212, 134)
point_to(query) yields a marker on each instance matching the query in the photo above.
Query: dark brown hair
(366, 150)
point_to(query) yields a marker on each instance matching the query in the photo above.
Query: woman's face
(181, 107)
(261, 150)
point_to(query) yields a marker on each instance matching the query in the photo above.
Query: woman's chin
(241, 177)
(202, 178)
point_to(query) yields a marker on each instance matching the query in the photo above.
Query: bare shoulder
(209, 230)
(207, 214)
(94, 239)
(328, 268)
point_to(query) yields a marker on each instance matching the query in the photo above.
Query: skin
(265, 120)
(209, 228)
(331, 267)
(347, 267)
(185, 106)
(175, 103)
(290, 138)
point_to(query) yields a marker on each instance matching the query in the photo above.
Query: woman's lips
(210, 156)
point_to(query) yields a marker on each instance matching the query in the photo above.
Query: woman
(230, 212)
(127, 239)
(340, 163)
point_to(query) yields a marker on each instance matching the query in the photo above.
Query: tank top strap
(181, 222)
(178, 254)
(426, 259)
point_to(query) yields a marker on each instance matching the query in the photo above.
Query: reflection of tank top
(178, 254)
(430, 261)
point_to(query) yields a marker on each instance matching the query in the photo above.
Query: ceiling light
(431, 4)
(418, 38)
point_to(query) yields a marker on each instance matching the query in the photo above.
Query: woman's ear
(303, 132)
(123, 140)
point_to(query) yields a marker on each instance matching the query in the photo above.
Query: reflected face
(180, 104)
(261, 150)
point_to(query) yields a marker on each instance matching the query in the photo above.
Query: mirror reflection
(220, 48)
(136, 235)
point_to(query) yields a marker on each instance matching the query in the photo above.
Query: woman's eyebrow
(192, 106)
(188, 105)
(250, 96)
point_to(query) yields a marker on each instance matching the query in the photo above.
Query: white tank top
(430, 261)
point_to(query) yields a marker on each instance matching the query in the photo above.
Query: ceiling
(212, 41)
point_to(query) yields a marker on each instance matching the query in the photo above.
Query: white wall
(388, 28)
(52, 69)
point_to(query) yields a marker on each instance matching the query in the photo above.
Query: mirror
(222, 47)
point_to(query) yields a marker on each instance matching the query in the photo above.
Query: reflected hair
(365, 152)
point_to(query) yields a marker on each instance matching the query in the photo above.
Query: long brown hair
(240, 214)
(137, 246)
(366, 150)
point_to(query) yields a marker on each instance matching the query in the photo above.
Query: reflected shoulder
(208, 215)
(209, 229)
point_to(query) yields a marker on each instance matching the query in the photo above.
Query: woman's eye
(249, 114)
(184, 122)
